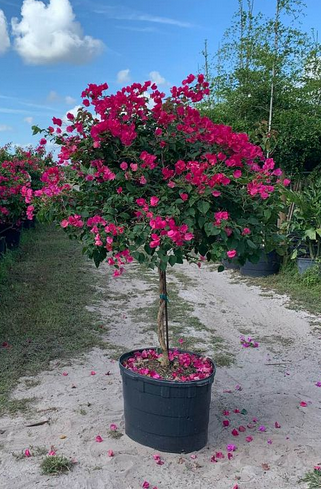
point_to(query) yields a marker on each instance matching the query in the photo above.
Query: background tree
(266, 82)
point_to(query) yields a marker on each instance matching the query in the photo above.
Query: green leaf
(203, 206)
(201, 221)
(172, 260)
(311, 234)
(251, 244)
(318, 231)
(294, 254)
(220, 268)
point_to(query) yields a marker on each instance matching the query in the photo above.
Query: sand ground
(269, 382)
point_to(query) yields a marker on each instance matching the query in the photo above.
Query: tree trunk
(162, 320)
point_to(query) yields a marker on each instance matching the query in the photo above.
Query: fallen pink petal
(146, 485)
(219, 455)
(99, 439)
(318, 384)
(27, 453)
(231, 448)
(226, 422)
(277, 425)
(269, 442)
(249, 439)
(242, 429)
(229, 456)
(226, 413)
(52, 453)
(235, 432)
(92, 372)
(193, 457)
(113, 427)
(110, 453)
(303, 404)
(262, 428)
(65, 374)
(213, 459)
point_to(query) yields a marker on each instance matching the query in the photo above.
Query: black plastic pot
(166, 415)
(27, 224)
(231, 265)
(268, 264)
(3, 246)
(304, 264)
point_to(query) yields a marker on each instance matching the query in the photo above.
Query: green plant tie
(164, 297)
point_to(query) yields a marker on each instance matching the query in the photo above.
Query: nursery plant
(141, 175)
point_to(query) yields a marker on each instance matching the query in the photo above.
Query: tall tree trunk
(162, 319)
(275, 54)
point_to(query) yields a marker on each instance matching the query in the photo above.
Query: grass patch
(313, 479)
(303, 290)
(44, 290)
(55, 465)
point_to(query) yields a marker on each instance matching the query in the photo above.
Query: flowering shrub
(144, 176)
(20, 172)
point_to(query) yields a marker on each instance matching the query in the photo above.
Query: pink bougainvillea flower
(317, 467)
(27, 453)
(277, 425)
(113, 427)
(303, 404)
(65, 374)
(249, 439)
(110, 453)
(235, 432)
(219, 455)
(154, 201)
(231, 253)
(286, 182)
(183, 196)
(242, 429)
(146, 485)
(262, 428)
(92, 372)
(318, 384)
(231, 448)
(236, 486)
(246, 231)
(237, 411)
(269, 442)
(99, 439)
(226, 413)
(230, 455)
(180, 341)
(226, 422)
(52, 453)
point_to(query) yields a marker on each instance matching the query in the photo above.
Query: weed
(56, 465)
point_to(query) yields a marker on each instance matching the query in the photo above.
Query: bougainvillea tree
(141, 175)
(20, 172)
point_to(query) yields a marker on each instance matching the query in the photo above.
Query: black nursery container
(166, 415)
(268, 264)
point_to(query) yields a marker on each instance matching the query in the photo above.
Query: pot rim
(150, 380)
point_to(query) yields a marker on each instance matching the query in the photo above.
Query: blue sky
(51, 50)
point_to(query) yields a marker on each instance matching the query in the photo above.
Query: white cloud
(125, 13)
(4, 37)
(70, 100)
(48, 34)
(123, 76)
(157, 78)
(4, 127)
(28, 120)
(73, 111)
(52, 96)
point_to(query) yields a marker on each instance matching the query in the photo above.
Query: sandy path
(271, 382)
